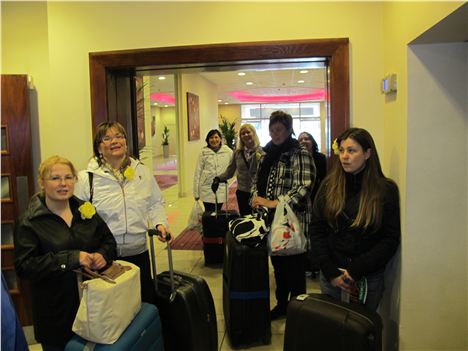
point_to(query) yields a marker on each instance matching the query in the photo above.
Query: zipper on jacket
(125, 211)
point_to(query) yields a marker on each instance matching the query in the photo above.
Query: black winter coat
(361, 252)
(46, 252)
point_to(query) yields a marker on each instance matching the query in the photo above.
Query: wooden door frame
(106, 66)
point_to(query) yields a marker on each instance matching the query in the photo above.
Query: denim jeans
(375, 289)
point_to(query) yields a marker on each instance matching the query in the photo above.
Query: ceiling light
(226, 103)
(161, 78)
(304, 71)
(165, 105)
(300, 81)
(249, 83)
(241, 74)
(155, 104)
(220, 100)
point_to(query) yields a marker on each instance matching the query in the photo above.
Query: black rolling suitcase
(215, 225)
(186, 307)
(321, 323)
(246, 294)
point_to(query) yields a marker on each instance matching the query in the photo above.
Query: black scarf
(272, 156)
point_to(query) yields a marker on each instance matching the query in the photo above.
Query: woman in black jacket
(57, 234)
(355, 228)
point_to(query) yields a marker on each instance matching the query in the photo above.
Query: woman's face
(214, 141)
(113, 145)
(247, 137)
(59, 184)
(278, 133)
(304, 140)
(352, 156)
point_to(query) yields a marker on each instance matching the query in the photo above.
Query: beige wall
(51, 42)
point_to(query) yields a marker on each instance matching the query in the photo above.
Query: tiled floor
(177, 210)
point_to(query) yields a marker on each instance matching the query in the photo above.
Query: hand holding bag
(286, 235)
(108, 305)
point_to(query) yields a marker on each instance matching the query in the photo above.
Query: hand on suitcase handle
(167, 238)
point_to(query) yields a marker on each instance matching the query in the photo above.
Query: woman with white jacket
(213, 160)
(126, 196)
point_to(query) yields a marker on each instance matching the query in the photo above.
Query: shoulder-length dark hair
(372, 188)
(311, 138)
(101, 132)
(211, 133)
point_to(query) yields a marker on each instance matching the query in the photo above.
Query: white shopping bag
(286, 235)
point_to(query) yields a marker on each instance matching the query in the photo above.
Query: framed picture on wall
(193, 114)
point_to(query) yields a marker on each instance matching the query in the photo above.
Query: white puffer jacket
(209, 165)
(128, 209)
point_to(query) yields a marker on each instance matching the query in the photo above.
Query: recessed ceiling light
(241, 74)
(165, 105)
(304, 71)
(161, 78)
(226, 103)
(249, 83)
(300, 81)
(155, 103)
(220, 100)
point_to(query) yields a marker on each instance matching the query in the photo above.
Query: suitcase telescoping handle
(151, 233)
(216, 198)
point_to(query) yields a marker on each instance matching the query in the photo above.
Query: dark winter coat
(46, 252)
(361, 252)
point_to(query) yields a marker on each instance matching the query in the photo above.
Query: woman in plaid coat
(286, 173)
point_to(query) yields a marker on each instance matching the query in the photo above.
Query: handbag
(251, 229)
(109, 302)
(286, 236)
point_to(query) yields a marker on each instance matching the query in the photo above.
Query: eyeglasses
(108, 139)
(66, 179)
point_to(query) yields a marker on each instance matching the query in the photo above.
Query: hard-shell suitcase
(186, 306)
(144, 333)
(215, 225)
(246, 294)
(317, 321)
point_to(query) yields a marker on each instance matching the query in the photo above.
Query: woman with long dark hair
(355, 230)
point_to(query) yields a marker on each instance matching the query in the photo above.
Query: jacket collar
(37, 206)
(94, 167)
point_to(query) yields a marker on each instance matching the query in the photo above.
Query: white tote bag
(107, 309)
(286, 236)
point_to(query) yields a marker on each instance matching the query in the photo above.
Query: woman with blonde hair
(57, 234)
(355, 229)
(244, 163)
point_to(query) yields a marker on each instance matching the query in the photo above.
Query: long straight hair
(372, 189)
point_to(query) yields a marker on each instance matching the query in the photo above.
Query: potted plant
(165, 141)
(229, 132)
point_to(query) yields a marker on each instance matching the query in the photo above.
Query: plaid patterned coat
(291, 179)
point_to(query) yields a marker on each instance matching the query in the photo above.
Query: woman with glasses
(57, 234)
(126, 196)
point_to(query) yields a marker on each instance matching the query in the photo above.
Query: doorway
(112, 74)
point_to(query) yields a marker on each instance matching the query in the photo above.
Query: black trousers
(211, 207)
(243, 198)
(148, 294)
(290, 277)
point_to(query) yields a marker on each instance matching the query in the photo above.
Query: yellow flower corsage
(129, 173)
(87, 210)
(335, 147)
(258, 155)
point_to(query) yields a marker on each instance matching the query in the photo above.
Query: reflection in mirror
(5, 188)
(7, 233)
(10, 277)
(4, 140)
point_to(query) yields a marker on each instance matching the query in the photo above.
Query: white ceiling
(268, 80)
